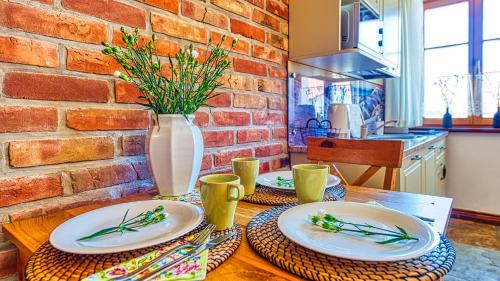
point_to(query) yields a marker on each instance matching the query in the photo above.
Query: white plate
(270, 180)
(182, 218)
(295, 225)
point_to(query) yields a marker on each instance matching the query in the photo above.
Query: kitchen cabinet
(357, 39)
(423, 170)
(428, 163)
(412, 177)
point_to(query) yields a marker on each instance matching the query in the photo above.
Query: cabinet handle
(444, 173)
(432, 147)
(416, 157)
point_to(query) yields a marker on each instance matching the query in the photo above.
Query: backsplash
(310, 98)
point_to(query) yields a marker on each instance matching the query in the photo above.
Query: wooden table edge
(354, 193)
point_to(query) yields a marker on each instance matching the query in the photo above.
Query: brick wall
(70, 133)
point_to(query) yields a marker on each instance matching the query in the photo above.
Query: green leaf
(402, 230)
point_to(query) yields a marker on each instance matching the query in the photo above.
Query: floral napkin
(192, 269)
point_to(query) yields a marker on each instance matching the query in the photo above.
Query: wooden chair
(376, 153)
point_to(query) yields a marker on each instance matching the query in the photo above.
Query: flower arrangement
(447, 84)
(330, 223)
(189, 82)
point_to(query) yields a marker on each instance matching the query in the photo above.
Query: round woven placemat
(48, 263)
(272, 196)
(265, 237)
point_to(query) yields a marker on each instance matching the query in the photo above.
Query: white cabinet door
(429, 173)
(411, 176)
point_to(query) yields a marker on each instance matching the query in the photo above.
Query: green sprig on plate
(330, 223)
(131, 225)
(282, 182)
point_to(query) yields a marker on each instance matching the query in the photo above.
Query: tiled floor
(478, 251)
(472, 233)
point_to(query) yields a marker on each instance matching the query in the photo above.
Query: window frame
(474, 61)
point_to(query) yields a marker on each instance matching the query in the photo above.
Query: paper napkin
(192, 269)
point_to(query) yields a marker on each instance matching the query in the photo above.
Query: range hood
(354, 63)
(318, 40)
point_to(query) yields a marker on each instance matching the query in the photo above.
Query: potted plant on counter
(447, 85)
(173, 93)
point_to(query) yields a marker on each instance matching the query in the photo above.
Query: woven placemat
(48, 263)
(266, 239)
(272, 196)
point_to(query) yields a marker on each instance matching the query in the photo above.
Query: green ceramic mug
(220, 194)
(247, 169)
(310, 182)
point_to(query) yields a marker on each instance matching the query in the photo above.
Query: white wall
(473, 171)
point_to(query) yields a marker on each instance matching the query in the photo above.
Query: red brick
(284, 28)
(280, 163)
(249, 101)
(218, 138)
(265, 19)
(133, 145)
(94, 178)
(221, 100)
(51, 23)
(247, 30)
(27, 51)
(224, 158)
(226, 118)
(264, 168)
(28, 153)
(204, 14)
(266, 53)
(277, 41)
(178, 28)
(268, 86)
(237, 82)
(141, 189)
(127, 93)
(207, 162)
(27, 119)
(258, 3)
(277, 103)
(277, 72)
(92, 62)
(277, 8)
(38, 86)
(111, 10)
(268, 150)
(280, 134)
(241, 46)
(8, 260)
(250, 67)
(142, 170)
(234, 6)
(26, 189)
(202, 119)
(90, 119)
(167, 5)
(263, 118)
(164, 47)
(253, 135)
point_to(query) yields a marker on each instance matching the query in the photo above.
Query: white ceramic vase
(175, 148)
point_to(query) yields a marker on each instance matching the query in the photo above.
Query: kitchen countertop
(411, 145)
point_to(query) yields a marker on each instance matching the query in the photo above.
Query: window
(462, 60)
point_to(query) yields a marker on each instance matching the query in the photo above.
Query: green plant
(131, 225)
(331, 223)
(190, 82)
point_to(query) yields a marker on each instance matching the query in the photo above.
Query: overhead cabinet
(359, 39)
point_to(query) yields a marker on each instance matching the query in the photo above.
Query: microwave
(362, 26)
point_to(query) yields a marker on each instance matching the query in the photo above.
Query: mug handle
(240, 191)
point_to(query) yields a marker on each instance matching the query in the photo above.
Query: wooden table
(245, 264)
